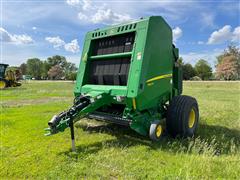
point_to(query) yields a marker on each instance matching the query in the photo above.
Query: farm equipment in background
(8, 78)
(129, 75)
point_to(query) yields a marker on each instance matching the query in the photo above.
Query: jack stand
(72, 135)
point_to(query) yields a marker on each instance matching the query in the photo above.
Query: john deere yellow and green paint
(129, 75)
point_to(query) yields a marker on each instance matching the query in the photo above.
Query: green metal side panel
(137, 59)
(112, 90)
(157, 61)
(177, 80)
(82, 65)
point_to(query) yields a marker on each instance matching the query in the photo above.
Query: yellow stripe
(134, 103)
(159, 77)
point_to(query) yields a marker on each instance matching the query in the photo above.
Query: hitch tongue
(54, 121)
(52, 125)
(81, 107)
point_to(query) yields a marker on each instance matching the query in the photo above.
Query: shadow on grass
(211, 140)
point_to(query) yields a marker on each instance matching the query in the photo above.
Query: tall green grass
(111, 152)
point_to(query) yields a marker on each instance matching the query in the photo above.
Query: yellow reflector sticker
(159, 77)
(134, 103)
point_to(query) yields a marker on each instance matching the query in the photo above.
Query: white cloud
(5, 36)
(172, 11)
(87, 5)
(224, 34)
(59, 43)
(90, 13)
(72, 46)
(82, 16)
(177, 33)
(22, 39)
(72, 2)
(107, 16)
(56, 41)
(200, 42)
(220, 36)
(236, 35)
(14, 38)
(34, 28)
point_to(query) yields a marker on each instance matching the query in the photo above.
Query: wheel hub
(158, 130)
(2, 84)
(192, 117)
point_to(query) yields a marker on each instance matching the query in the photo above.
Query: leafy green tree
(44, 69)
(23, 68)
(203, 69)
(180, 61)
(57, 60)
(70, 71)
(71, 76)
(188, 71)
(67, 67)
(41, 69)
(34, 67)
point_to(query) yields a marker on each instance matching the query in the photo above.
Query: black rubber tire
(178, 115)
(152, 130)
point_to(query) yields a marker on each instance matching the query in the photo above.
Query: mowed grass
(111, 152)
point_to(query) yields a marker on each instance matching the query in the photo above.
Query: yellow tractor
(9, 78)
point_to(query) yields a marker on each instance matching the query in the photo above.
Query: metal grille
(114, 44)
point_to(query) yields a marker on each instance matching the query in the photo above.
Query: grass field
(112, 152)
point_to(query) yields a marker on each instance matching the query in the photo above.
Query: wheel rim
(192, 118)
(158, 131)
(2, 84)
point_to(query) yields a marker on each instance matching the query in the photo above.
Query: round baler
(129, 75)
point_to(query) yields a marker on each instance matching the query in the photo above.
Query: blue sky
(34, 28)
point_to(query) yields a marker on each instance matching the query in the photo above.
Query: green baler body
(153, 78)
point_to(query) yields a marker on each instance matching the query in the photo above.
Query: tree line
(227, 67)
(54, 68)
